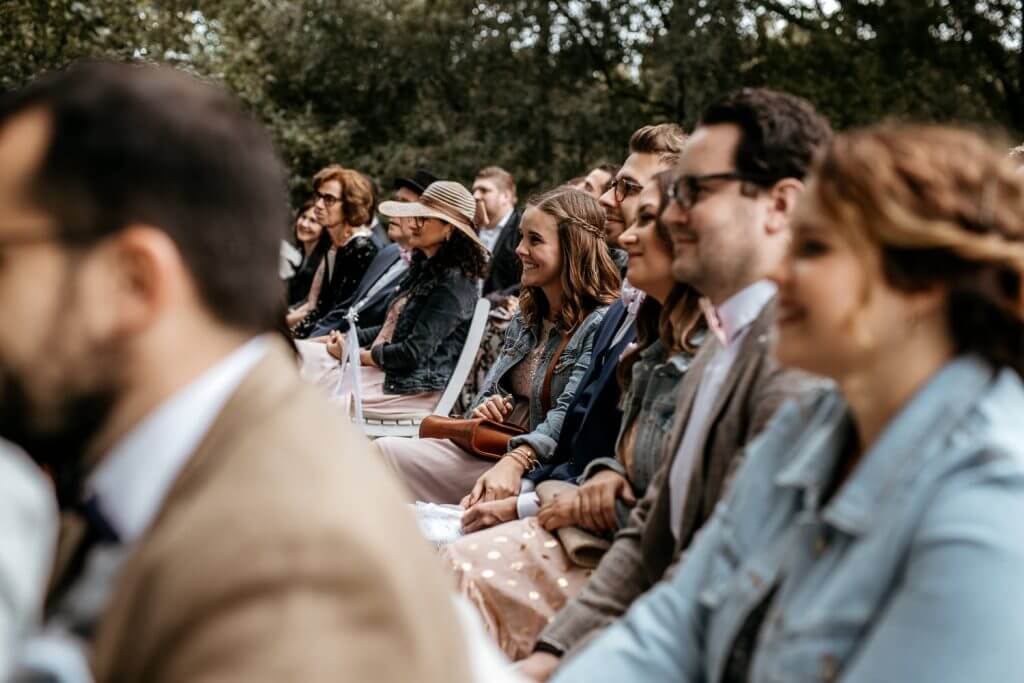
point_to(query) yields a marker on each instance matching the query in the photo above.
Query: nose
(782, 273)
(521, 249)
(629, 236)
(674, 215)
(478, 194)
(607, 200)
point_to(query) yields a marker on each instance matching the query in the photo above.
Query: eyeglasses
(329, 200)
(623, 188)
(686, 189)
(420, 221)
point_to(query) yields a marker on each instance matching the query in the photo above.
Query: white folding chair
(376, 426)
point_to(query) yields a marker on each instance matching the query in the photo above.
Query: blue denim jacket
(912, 572)
(520, 339)
(650, 402)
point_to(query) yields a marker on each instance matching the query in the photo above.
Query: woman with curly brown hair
(873, 532)
(567, 283)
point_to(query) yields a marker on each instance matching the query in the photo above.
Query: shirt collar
(742, 308)
(924, 421)
(131, 482)
(500, 225)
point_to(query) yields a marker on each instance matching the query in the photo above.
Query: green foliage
(545, 88)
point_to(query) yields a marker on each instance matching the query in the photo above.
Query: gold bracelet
(524, 457)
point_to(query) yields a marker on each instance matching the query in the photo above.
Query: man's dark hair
(779, 132)
(150, 145)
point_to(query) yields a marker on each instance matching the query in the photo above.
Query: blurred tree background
(545, 88)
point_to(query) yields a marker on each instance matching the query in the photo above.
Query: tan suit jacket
(645, 549)
(283, 552)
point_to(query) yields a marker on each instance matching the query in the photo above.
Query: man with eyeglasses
(739, 177)
(647, 149)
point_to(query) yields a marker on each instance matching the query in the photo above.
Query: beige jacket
(283, 552)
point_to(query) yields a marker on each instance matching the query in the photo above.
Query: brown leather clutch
(479, 436)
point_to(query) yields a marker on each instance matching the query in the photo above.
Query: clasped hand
(591, 506)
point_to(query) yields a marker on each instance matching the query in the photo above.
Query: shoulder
(592, 321)
(986, 449)
(290, 496)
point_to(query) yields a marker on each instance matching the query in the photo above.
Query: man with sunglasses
(739, 177)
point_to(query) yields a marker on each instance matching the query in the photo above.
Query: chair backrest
(466, 359)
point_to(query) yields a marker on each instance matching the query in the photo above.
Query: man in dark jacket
(495, 189)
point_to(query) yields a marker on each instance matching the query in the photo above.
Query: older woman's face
(306, 228)
(837, 315)
(650, 258)
(328, 203)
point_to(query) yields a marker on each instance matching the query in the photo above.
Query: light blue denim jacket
(520, 339)
(913, 572)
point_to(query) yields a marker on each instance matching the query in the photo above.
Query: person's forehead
(484, 184)
(711, 149)
(535, 219)
(639, 167)
(651, 194)
(331, 187)
(23, 143)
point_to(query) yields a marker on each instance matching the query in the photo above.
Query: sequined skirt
(518, 577)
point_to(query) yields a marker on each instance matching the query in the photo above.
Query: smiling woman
(568, 281)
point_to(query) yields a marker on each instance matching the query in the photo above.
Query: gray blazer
(645, 549)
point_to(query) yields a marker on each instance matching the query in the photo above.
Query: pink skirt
(433, 470)
(518, 577)
(324, 370)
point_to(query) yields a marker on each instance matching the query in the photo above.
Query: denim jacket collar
(923, 422)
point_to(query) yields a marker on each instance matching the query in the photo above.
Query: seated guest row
(760, 457)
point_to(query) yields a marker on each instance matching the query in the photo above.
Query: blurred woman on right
(874, 533)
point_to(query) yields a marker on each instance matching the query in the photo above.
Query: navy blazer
(376, 309)
(593, 419)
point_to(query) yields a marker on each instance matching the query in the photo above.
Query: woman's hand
(366, 358)
(560, 512)
(295, 317)
(501, 481)
(336, 344)
(485, 515)
(597, 498)
(538, 667)
(494, 408)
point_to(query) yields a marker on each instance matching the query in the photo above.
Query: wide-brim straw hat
(445, 200)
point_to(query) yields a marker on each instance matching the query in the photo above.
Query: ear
(926, 302)
(149, 277)
(783, 198)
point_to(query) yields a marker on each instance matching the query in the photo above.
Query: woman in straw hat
(567, 283)
(874, 532)
(406, 362)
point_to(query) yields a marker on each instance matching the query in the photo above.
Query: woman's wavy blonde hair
(945, 207)
(589, 276)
